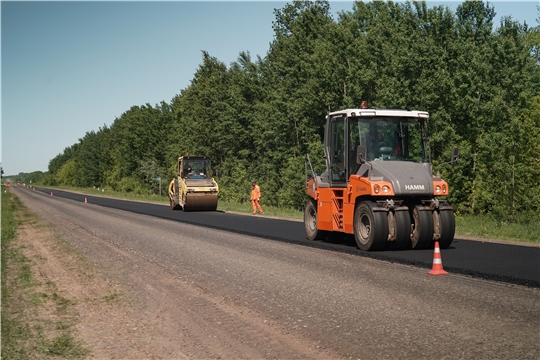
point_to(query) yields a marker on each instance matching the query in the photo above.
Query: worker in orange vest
(255, 197)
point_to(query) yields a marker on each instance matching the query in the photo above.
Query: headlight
(385, 189)
(437, 189)
(444, 189)
(376, 189)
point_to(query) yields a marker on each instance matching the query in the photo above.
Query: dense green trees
(26, 178)
(258, 119)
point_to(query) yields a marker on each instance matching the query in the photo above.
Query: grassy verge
(26, 334)
(466, 225)
(486, 227)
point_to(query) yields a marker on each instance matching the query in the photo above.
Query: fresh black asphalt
(493, 261)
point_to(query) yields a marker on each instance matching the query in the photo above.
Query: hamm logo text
(414, 187)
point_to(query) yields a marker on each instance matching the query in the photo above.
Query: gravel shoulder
(150, 288)
(126, 306)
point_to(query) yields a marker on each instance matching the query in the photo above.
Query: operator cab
(357, 136)
(194, 167)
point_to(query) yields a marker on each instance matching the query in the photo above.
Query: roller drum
(201, 202)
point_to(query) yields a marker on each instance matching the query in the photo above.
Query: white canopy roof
(382, 112)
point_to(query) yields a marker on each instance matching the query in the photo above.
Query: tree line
(257, 118)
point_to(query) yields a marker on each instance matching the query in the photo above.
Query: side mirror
(452, 162)
(455, 153)
(361, 152)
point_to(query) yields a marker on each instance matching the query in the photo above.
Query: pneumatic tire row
(416, 229)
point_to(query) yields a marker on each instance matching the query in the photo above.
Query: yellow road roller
(193, 189)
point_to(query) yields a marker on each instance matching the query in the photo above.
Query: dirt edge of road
(71, 292)
(107, 320)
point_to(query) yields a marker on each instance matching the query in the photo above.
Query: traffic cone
(51, 193)
(85, 201)
(437, 268)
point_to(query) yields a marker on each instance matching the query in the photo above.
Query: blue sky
(72, 67)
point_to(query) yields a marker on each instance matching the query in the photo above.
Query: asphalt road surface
(494, 261)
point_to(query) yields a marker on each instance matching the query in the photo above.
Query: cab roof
(189, 157)
(381, 112)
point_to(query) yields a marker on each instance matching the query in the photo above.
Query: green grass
(483, 226)
(62, 346)
(24, 334)
(111, 298)
(478, 226)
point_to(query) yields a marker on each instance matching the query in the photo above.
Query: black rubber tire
(422, 235)
(403, 231)
(448, 228)
(310, 222)
(370, 227)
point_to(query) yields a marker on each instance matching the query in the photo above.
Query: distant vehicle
(193, 189)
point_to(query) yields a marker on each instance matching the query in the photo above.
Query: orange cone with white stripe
(51, 193)
(437, 268)
(85, 201)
